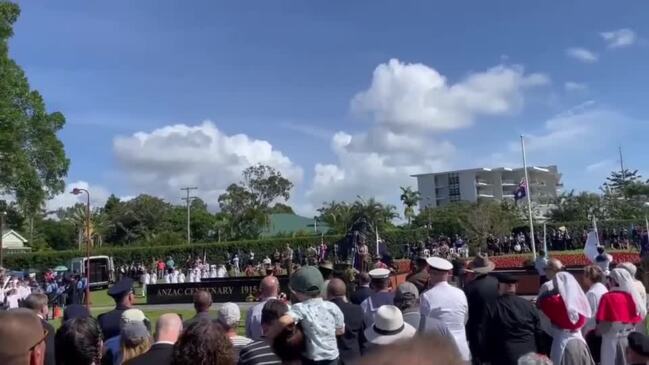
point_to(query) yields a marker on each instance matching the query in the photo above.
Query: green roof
(285, 223)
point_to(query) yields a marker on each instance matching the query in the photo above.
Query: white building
(13, 242)
(441, 188)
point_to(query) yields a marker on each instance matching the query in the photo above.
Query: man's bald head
(336, 289)
(269, 287)
(168, 327)
(202, 301)
(553, 267)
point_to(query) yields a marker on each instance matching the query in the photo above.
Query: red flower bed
(570, 259)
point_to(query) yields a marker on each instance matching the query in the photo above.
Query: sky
(344, 98)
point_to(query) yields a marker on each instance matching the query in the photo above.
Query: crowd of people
(430, 318)
(562, 239)
(61, 288)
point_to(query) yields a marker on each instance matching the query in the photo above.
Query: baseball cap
(20, 331)
(229, 314)
(307, 280)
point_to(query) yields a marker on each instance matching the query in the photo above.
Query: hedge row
(215, 252)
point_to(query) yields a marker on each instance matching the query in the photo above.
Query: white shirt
(147, 279)
(154, 279)
(449, 305)
(605, 263)
(593, 295)
(181, 278)
(12, 300)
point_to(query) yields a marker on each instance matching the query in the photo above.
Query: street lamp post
(77, 191)
(2, 227)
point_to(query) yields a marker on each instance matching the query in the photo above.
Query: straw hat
(388, 327)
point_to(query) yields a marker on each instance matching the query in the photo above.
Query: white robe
(449, 305)
(594, 295)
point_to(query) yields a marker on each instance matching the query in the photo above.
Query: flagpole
(529, 199)
(376, 228)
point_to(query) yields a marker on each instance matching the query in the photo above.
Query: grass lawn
(101, 303)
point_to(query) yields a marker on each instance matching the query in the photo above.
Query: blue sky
(310, 88)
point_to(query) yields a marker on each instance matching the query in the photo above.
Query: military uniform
(110, 321)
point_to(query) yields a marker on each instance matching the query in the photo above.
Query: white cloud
(164, 160)
(584, 127)
(575, 86)
(98, 196)
(404, 96)
(375, 168)
(408, 104)
(582, 55)
(624, 37)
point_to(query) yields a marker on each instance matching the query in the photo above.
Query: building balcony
(509, 183)
(482, 182)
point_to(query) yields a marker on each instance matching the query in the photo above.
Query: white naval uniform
(449, 305)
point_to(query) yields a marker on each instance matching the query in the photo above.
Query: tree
(409, 199)
(281, 208)
(362, 215)
(266, 185)
(618, 181)
(248, 203)
(571, 207)
(337, 215)
(32, 158)
(13, 219)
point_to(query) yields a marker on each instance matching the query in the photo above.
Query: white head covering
(625, 283)
(574, 298)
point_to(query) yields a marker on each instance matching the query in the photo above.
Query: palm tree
(410, 199)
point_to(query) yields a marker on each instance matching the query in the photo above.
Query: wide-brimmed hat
(388, 327)
(481, 264)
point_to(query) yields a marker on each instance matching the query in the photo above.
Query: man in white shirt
(269, 288)
(446, 303)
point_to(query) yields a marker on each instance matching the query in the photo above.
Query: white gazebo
(12, 241)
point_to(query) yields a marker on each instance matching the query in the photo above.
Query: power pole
(188, 199)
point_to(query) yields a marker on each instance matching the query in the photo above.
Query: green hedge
(215, 252)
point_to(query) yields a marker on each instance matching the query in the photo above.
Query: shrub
(215, 252)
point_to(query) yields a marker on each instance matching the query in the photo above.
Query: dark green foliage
(215, 252)
(32, 158)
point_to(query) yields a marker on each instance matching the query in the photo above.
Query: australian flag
(521, 191)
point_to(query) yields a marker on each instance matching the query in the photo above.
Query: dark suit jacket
(158, 354)
(360, 295)
(351, 343)
(196, 318)
(110, 321)
(50, 358)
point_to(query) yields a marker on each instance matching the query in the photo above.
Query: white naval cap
(379, 273)
(439, 263)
